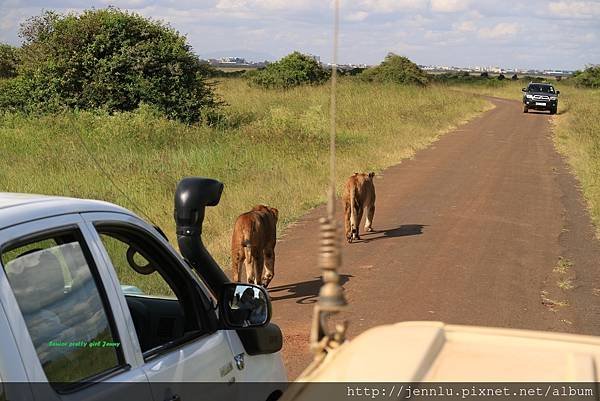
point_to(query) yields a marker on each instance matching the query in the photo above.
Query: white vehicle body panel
(207, 358)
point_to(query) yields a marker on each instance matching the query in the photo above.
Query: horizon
(538, 35)
(220, 56)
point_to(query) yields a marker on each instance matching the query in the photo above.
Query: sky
(540, 34)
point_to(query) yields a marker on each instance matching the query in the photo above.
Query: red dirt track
(467, 232)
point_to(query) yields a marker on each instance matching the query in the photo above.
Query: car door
(175, 326)
(62, 312)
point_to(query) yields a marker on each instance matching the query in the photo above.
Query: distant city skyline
(241, 62)
(536, 34)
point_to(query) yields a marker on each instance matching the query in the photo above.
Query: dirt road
(486, 227)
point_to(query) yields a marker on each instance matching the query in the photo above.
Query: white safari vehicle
(91, 294)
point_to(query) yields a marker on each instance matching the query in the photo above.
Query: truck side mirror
(244, 306)
(523, 89)
(558, 92)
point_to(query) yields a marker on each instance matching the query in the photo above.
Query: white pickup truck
(91, 294)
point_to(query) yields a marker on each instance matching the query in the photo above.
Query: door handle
(176, 397)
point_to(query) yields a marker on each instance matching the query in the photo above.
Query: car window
(132, 281)
(55, 284)
(541, 88)
(163, 305)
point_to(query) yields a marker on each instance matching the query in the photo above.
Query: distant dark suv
(540, 97)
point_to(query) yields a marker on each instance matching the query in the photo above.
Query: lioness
(359, 195)
(253, 244)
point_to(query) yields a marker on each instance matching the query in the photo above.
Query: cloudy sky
(557, 34)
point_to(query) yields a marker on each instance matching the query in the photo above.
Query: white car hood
(433, 351)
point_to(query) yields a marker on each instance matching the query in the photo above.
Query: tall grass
(577, 136)
(269, 147)
(507, 89)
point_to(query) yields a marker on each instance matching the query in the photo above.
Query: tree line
(115, 60)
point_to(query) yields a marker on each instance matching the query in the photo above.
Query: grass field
(576, 130)
(577, 136)
(504, 89)
(270, 147)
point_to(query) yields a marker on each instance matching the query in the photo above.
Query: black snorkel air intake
(192, 196)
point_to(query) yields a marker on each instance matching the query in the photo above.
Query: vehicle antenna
(109, 177)
(331, 297)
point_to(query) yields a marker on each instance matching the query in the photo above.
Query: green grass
(270, 147)
(577, 137)
(507, 89)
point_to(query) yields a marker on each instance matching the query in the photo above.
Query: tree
(396, 69)
(589, 78)
(113, 60)
(9, 61)
(292, 70)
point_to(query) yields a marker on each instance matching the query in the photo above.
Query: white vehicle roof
(20, 208)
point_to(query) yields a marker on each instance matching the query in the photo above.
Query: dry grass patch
(565, 284)
(563, 266)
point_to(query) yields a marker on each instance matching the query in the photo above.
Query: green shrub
(9, 61)
(455, 77)
(396, 69)
(15, 94)
(293, 70)
(589, 78)
(112, 60)
(465, 78)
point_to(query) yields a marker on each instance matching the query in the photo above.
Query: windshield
(540, 88)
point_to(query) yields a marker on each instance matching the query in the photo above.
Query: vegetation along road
(485, 227)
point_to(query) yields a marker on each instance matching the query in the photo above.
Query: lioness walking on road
(253, 244)
(359, 196)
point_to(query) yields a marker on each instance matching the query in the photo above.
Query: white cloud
(500, 31)
(449, 6)
(575, 9)
(273, 5)
(453, 32)
(357, 16)
(124, 3)
(464, 26)
(589, 37)
(391, 6)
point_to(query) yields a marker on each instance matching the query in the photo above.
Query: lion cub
(359, 196)
(253, 244)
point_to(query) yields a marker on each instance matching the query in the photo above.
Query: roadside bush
(465, 78)
(112, 60)
(216, 73)
(293, 70)
(16, 95)
(396, 69)
(9, 61)
(454, 77)
(351, 72)
(589, 78)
